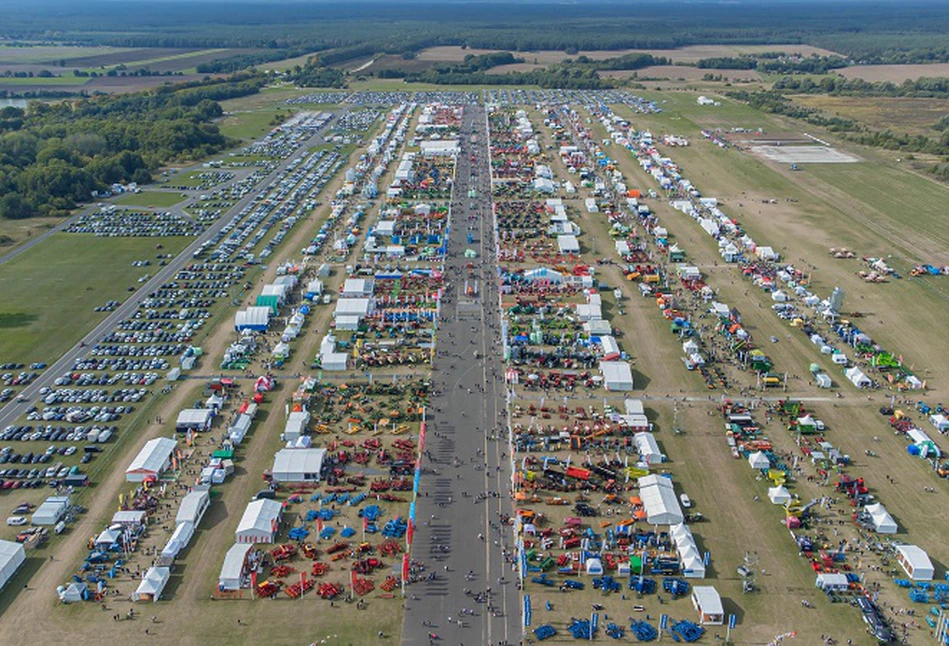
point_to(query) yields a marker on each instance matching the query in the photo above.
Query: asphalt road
(466, 478)
(14, 409)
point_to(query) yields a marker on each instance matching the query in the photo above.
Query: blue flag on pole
(732, 620)
(663, 622)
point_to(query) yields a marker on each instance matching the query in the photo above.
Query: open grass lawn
(150, 198)
(50, 292)
(910, 115)
(16, 232)
(251, 124)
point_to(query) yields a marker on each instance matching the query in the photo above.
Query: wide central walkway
(465, 486)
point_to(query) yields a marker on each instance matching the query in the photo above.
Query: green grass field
(50, 291)
(250, 125)
(150, 198)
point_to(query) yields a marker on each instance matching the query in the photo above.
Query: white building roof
(12, 556)
(707, 600)
(194, 417)
(353, 307)
(230, 576)
(356, 287)
(568, 244)
(916, 562)
(252, 317)
(153, 457)
(130, 517)
(154, 582)
(659, 500)
(192, 507)
(617, 375)
(259, 517)
(297, 465)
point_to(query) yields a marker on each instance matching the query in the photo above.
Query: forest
(53, 155)
(862, 31)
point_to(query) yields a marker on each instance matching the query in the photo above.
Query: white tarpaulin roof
(230, 577)
(568, 244)
(12, 556)
(192, 507)
(297, 465)
(759, 460)
(194, 417)
(659, 500)
(915, 562)
(153, 457)
(708, 602)
(154, 582)
(647, 447)
(258, 519)
(252, 318)
(883, 522)
(778, 495)
(617, 375)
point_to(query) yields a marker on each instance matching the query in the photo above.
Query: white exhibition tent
(915, 562)
(152, 584)
(648, 448)
(617, 375)
(708, 603)
(12, 556)
(693, 565)
(759, 460)
(193, 506)
(154, 458)
(298, 465)
(232, 571)
(857, 378)
(255, 319)
(779, 495)
(178, 541)
(832, 581)
(72, 593)
(659, 500)
(259, 522)
(568, 244)
(883, 522)
(296, 425)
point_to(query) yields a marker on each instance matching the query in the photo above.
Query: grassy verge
(50, 291)
(150, 198)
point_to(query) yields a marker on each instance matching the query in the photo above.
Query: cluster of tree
(918, 88)
(557, 76)
(624, 62)
(53, 155)
(231, 64)
(727, 63)
(318, 76)
(42, 74)
(814, 64)
(472, 64)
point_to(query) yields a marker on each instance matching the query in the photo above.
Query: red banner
(405, 567)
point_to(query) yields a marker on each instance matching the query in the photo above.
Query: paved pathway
(459, 535)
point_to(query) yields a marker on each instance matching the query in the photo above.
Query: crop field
(150, 198)
(46, 310)
(16, 232)
(895, 73)
(78, 56)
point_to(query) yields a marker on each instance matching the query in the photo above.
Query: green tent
(268, 301)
